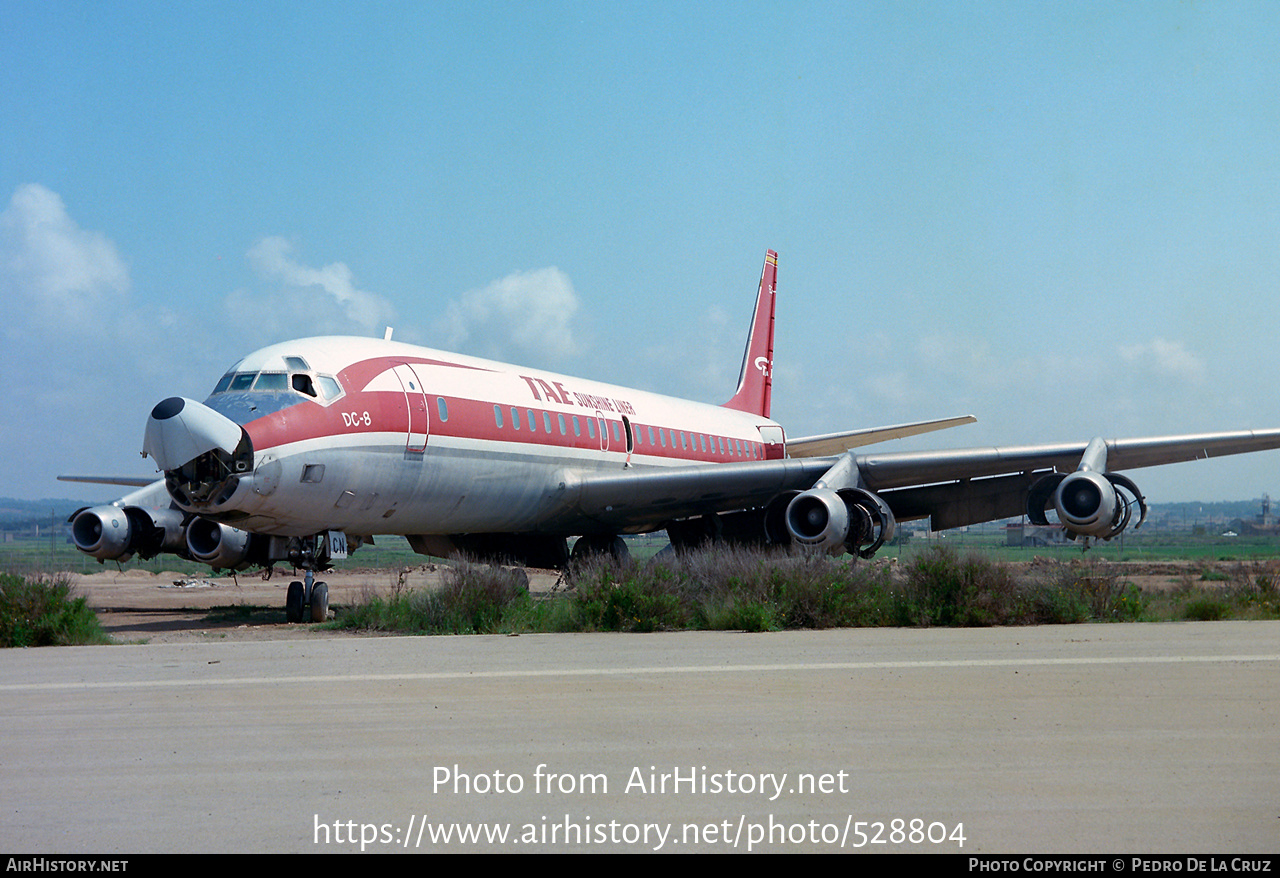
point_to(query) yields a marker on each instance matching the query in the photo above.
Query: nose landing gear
(311, 554)
(305, 595)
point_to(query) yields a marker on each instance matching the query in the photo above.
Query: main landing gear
(305, 595)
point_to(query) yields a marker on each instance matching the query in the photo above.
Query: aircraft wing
(635, 500)
(953, 487)
(898, 469)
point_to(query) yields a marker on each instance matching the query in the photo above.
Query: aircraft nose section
(180, 430)
(205, 456)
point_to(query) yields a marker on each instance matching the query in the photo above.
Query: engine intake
(1088, 503)
(116, 533)
(218, 545)
(851, 519)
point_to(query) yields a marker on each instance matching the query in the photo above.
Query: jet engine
(1088, 503)
(850, 519)
(117, 533)
(218, 545)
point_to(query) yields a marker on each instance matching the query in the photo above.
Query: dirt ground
(166, 607)
(141, 607)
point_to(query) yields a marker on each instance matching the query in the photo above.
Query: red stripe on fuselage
(357, 376)
(384, 412)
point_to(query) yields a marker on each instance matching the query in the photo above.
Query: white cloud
(272, 257)
(75, 353)
(529, 311)
(58, 269)
(1165, 359)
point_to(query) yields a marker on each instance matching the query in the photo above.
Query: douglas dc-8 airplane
(308, 448)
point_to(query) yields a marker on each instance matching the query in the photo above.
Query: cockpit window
(272, 381)
(329, 386)
(321, 387)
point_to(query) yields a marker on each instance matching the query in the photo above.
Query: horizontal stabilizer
(838, 443)
(127, 481)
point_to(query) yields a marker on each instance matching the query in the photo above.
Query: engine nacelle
(850, 520)
(818, 519)
(103, 532)
(218, 545)
(1088, 503)
(115, 533)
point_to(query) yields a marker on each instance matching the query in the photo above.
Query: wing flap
(956, 504)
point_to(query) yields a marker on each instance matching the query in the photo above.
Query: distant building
(1263, 524)
(1023, 534)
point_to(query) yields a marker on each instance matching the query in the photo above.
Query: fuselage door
(415, 400)
(775, 442)
(604, 430)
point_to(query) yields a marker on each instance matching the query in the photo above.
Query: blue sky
(1062, 218)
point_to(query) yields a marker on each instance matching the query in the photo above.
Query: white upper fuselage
(417, 441)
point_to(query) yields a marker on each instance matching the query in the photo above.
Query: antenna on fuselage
(386, 336)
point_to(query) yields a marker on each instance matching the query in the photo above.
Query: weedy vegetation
(725, 588)
(472, 599)
(732, 589)
(45, 611)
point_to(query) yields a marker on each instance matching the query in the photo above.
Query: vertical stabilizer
(755, 381)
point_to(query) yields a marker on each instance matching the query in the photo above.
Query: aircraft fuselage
(370, 436)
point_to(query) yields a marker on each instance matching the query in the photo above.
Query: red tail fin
(755, 381)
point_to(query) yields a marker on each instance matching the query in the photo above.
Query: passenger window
(564, 431)
(443, 408)
(497, 416)
(533, 424)
(515, 418)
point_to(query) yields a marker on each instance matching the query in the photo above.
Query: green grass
(44, 611)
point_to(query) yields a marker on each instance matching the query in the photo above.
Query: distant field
(1153, 546)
